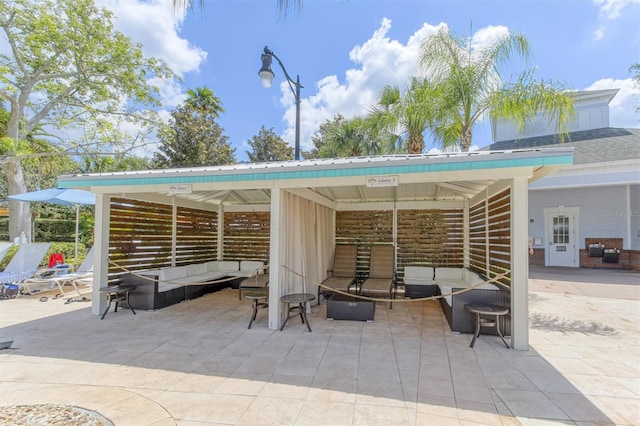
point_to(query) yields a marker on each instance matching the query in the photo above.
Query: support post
(174, 231)
(466, 242)
(519, 264)
(220, 242)
(101, 253)
(275, 260)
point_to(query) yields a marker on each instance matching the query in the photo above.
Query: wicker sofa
(418, 282)
(158, 288)
(452, 280)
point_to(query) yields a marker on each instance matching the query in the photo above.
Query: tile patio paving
(196, 363)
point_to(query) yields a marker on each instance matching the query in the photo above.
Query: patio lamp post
(266, 78)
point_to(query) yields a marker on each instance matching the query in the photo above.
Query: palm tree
(351, 138)
(403, 117)
(284, 6)
(470, 85)
(203, 99)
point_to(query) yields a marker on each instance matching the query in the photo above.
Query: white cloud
(378, 61)
(488, 35)
(153, 24)
(598, 34)
(170, 91)
(611, 9)
(622, 109)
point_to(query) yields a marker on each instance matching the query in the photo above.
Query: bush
(54, 230)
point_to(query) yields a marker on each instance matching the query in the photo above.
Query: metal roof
(428, 177)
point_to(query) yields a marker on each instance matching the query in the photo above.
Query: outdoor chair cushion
(418, 275)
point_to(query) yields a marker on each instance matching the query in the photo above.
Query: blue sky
(344, 51)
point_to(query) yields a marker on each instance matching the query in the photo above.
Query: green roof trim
(275, 174)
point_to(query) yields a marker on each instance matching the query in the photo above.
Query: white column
(101, 252)
(174, 231)
(487, 256)
(275, 260)
(220, 232)
(627, 241)
(519, 265)
(466, 244)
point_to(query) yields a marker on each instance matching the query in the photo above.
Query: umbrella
(67, 197)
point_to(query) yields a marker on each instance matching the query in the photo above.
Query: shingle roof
(591, 146)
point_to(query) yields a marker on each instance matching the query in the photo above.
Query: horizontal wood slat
(490, 236)
(140, 235)
(247, 236)
(364, 228)
(430, 238)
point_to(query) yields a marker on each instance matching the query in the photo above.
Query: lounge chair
(82, 276)
(381, 281)
(4, 248)
(343, 275)
(23, 265)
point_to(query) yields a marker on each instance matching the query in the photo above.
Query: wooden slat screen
(196, 236)
(364, 228)
(478, 238)
(430, 238)
(246, 236)
(140, 235)
(500, 235)
(490, 227)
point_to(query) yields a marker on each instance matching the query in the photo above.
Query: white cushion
(449, 273)
(228, 265)
(472, 278)
(488, 286)
(418, 275)
(172, 273)
(452, 283)
(251, 265)
(212, 266)
(209, 276)
(196, 269)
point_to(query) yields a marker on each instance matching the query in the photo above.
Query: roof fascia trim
(560, 159)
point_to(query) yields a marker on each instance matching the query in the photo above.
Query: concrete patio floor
(196, 363)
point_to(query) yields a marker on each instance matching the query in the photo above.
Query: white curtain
(292, 233)
(308, 238)
(325, 240)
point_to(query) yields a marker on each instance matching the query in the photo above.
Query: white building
(596, 200)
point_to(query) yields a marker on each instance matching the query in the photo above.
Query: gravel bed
(51, 414)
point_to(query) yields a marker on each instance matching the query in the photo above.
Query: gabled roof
(591, 146)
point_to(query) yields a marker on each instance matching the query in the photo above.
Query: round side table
(259, 301)
(117, 293)
(301, 299)
(487, 315)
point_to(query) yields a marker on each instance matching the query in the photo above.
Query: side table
(486, 316)
(117, 293)
(259, 301)
(301, 299)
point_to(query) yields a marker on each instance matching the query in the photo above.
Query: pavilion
(461, 209)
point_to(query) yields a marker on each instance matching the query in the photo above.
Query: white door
(561, 237)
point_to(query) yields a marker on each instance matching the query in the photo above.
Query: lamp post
(266, 78)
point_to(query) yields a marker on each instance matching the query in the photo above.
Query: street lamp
(266, 78)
